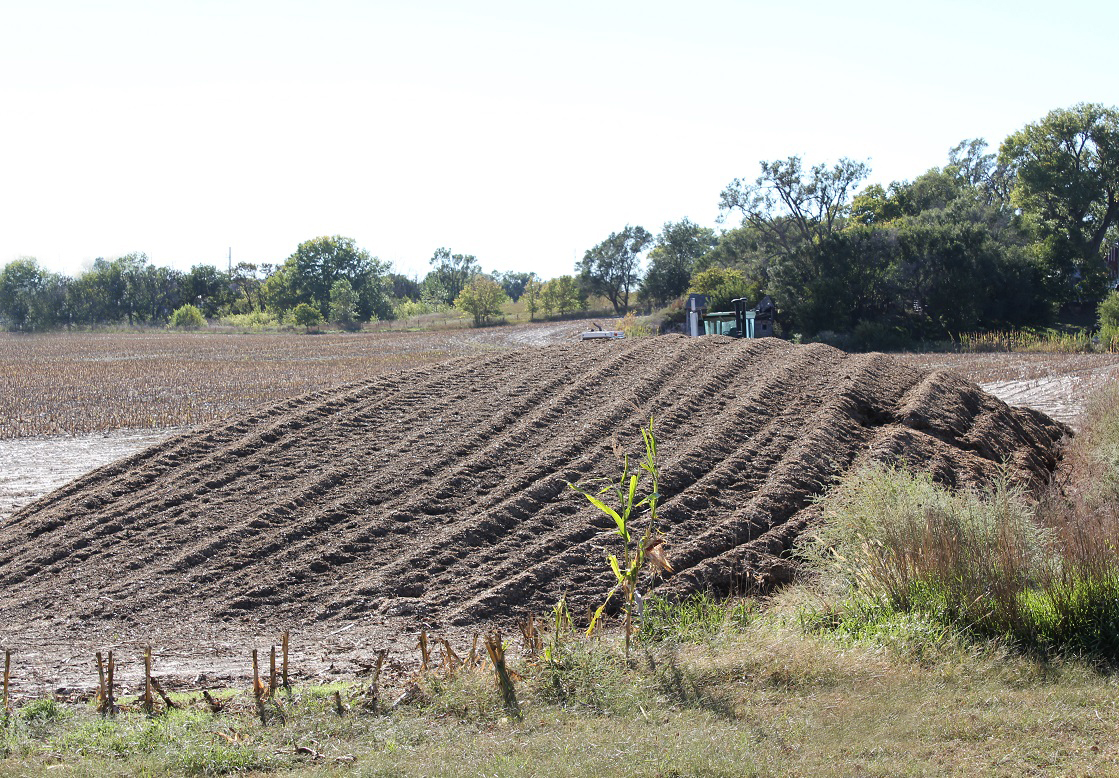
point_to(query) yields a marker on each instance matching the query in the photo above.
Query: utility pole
(229, 271)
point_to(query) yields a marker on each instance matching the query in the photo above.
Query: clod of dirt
(437, 496)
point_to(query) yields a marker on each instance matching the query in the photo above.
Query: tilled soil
(436, 498)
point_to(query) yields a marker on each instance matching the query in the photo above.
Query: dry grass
(764, 700)
(90, 382)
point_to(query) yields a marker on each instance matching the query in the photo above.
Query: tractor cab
(745, 321)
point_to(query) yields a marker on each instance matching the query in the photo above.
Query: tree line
(990, 239)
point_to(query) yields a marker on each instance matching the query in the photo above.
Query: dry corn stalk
(168, 703)
(147, 702)
(497, 655)
(425, 652)
(284, 670)
(214, 705)
(273, 683)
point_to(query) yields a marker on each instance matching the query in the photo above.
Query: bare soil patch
(435, 498)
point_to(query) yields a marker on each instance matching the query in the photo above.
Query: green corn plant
(637, 554)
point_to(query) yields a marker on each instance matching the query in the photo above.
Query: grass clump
(900, 553)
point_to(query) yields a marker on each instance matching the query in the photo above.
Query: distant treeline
(989, 240)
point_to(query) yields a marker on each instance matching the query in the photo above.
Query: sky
(523, 133)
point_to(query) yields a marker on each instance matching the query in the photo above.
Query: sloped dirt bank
(435, 498)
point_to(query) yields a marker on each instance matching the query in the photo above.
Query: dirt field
(435, 499)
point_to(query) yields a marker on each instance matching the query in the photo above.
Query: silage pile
(437, 496)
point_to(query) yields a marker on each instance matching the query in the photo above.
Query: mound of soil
(437, 496)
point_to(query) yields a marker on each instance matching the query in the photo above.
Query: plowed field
(436, 497)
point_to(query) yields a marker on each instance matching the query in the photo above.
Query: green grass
(738, 696)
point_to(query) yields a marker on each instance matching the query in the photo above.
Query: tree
(306, 315)
(343, 304)
(793, 210)
(1066, 181)
(208, 289)
(308, 275)
(722, 285)
(672, 260)
(482, 297)
(25, 302)
(187, 317)
(450, 273)
(611, 268)
(563, 295)
(531, 295)
(512, 282)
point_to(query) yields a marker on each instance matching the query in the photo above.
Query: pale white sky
(520, 132)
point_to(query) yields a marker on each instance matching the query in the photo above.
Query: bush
(254, 320)
(1108, 314)
(305, 315)
(989, 565)
(188, 317)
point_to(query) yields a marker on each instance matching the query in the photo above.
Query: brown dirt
(435, 498)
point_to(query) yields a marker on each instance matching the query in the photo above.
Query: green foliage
(532, 295)
(306, 315)
(612, 268)
(343, 304)
(1108, 316)
(482, 298)
(187, 317)
(449, 275)
(254, 320)
(722, 285)
(563, 295)
(636, 552)
(30, 297)
(673, 260)
(984, 564)
(308, 276)
(1066, 169)
(697, 619)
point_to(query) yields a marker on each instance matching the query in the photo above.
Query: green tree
(208, 289)
(513, 282)
(673, 260)
(306, 315)
(722, 285)
(1066, 181)
(187, 317)
(792, 209)
(449, 274)
(792, 212)
(531, 296)
(25, 299)
(308, 275)
(612, 268)
(482, 298)
(563, 295)
(343, 304)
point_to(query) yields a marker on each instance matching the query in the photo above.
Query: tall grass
(1042, 573)
(1046, 342)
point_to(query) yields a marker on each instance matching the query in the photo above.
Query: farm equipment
(600, 334)
(745, 321)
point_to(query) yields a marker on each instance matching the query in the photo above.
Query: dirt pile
(437, 495)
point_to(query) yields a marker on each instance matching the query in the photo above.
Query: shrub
(1108, 313)
(188, 317)
(254, 320)
(305, 315)
(990, 565)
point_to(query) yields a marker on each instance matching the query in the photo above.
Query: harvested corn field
(436, 497)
